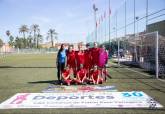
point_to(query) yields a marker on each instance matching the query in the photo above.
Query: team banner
(136, 99)
(81, 88)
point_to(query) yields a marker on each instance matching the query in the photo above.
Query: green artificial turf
(34, 72)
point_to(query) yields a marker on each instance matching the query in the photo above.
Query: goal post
(144, 50)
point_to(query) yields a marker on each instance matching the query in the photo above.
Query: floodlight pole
(157, 56)
(125, 18)
(125, 23)
(95, 25)
(137, 35)
(135, 50)
(146, 14)
(118, 43)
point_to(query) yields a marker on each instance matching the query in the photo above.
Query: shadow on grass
(141, 81)
(128, 78)
(129, 64)
(133, 65)
(25, 67)
(55, 82)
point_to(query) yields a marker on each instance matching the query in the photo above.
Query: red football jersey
(95, 75)
(81, 73)
(80, 58)
(65, 73)
(88, 59)
(95, 56)
(71, 59)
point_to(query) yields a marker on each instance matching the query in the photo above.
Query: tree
(24, 29)
(11, 41)
(1, 43)
(39, 39)
(35, 29)
(30, 41)
(52, 34)
(19, 42)
(8, 33)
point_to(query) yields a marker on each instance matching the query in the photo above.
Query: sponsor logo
(20, 98)
(71, 97)
(133, 94)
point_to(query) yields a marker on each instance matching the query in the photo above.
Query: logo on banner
(69, 89)
(20, 98)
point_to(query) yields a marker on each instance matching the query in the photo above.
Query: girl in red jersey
(71, 59)
(96, 76)
(81, 75)
(66, 75)
(80, 57)
(95, 54)
(88, 59)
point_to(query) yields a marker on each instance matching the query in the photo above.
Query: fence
(128, 29)
(5, 52)
(131, 17)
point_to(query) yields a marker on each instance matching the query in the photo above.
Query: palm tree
(11, 41)
(11, 38)
(39, 39)
(52, 34)
(35, 29)
(24, 29)
(8, 33)
(29, 40)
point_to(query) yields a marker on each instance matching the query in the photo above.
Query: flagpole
(105, 24)
(102, 34)
(109, 27)
(95, 26)
(125, 18)
(95, 9)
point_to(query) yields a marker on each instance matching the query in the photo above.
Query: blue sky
(72, 19)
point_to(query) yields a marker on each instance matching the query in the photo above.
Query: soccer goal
(145, 50)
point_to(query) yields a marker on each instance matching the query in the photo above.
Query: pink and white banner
(135, 99)
(79, 88)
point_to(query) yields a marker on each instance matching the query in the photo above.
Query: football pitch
(31, 73)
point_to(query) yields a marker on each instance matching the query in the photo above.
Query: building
(6, 48)
(158, 26)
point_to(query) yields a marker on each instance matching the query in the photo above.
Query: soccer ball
(152, 103)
